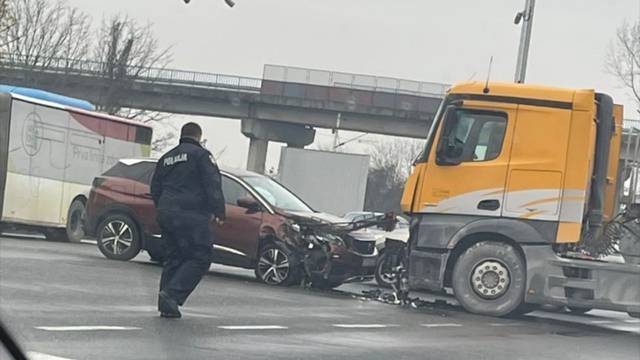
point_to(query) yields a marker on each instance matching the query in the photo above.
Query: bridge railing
(631, 124)
(292, 74)
(136, 73)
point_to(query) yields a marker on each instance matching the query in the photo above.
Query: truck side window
(490, 140)
(473, 135)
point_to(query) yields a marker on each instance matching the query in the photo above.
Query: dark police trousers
(188, 241)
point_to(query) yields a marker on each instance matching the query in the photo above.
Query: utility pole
(336, 132)
(526, 16)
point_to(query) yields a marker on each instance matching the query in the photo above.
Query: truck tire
(118, 237)
(75, 221)
(489, 278)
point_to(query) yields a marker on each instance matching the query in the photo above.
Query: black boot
(167, 306)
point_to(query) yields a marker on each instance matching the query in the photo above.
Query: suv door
(141, 201)
(236, 241)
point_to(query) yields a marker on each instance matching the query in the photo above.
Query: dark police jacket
(187, 178)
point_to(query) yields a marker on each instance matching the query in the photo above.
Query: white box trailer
(331, 182)
(49, 155)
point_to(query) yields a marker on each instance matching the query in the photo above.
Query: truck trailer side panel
(312, 174)
(5, 120)
(53, 156)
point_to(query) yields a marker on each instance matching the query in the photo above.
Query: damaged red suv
(268, 228)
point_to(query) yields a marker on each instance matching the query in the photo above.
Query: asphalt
(66, 301)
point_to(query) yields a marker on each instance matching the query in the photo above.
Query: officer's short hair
(191, 130)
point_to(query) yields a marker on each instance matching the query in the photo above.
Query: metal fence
(136, 73)
(352, 81)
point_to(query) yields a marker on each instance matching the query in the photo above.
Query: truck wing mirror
(448, 152)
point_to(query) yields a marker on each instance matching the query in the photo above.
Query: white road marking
(441, 325)
(633, 321)
(503, 324)
(26, 236)
(601, 321)
(33, 355)
(86, 328)
(252, 327)
(362, 326)
(87, 241)
(201, 315)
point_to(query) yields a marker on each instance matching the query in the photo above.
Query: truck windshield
(424, 155)
(276, 194)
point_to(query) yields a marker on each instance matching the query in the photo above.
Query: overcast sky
(440, 41)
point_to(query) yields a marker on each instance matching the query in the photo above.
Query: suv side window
(233, 191)
(141, 171)
(474, 135)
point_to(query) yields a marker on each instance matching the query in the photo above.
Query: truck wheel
(75, 221)
(275, 266)
(118, 237)
(489, 279)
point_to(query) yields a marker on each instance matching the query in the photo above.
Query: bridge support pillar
(260, 132)
(257, 158)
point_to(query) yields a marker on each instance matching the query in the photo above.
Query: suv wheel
(275, 266)
(386, 269)
(75, 221)
(118, 237)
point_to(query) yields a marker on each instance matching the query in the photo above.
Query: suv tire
(275, 266)
(118, 237)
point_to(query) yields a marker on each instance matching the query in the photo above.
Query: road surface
(66, 301)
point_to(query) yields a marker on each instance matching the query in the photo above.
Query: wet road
(65, 301)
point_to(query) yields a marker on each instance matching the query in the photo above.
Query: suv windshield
(276, 194)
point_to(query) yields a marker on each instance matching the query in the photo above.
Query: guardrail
(146, 74)
(292, 74)
(631, 124)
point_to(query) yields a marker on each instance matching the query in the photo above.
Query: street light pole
(525, 38)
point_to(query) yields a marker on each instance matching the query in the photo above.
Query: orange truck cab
(512, 178)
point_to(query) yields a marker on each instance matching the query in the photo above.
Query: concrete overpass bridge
(285, 105)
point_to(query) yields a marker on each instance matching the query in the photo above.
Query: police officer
(186, 189)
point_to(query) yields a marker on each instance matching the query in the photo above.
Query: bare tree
(391, 163)
(6, 21)
(162, 142)
(128, 53)
(44, 33)
(623, 59)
